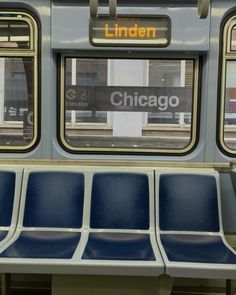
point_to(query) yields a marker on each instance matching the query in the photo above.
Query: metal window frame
(143, 55)
(227, 55)
(33, 52)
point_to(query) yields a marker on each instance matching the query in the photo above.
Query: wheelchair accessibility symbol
(71, 94)
(79, 94)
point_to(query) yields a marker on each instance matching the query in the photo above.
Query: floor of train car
(41, 285)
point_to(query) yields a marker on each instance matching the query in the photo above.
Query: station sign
(130, 31)
(128, 99)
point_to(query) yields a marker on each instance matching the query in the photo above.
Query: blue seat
(43, 244)
(120, 201)
(189, 227)
(10, 187)
(51, 215)
(121, 223)
(119, 246)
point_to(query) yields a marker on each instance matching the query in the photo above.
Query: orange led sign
(130, 32)
(125, 31)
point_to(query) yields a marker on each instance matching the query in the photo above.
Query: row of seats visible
(79, 221)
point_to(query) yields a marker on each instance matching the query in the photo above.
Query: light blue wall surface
(64, 28)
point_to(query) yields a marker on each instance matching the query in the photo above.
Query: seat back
(120, 201)
(53, 199)
(188, 202)
(10, 187)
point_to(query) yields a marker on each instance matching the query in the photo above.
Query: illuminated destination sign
(125, 31)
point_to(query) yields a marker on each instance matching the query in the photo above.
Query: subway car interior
(118, 147)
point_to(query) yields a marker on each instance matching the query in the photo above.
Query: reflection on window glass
(14, 34)
(86, 72)
(233, 39)
(128, 104)
(230, 104)
(16, 100)
(171, 73)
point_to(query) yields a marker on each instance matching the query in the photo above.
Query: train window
(128, 105)
(86, 72)
(14, 34)
(233, 38)
(18, 81)
(170, 73)
(228, 89)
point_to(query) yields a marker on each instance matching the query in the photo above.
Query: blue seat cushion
(188, 203)
(7, 191)
(54, 199)
(120, 201)
(43, 244)
(197, 248)
(119, 246)
(3, 234)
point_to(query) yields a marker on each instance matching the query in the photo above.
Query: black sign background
(161, 23)
(98, 98)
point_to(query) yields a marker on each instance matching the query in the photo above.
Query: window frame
(227, 55)
(194, 130)
(32, 52)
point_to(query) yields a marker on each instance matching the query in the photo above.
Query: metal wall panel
(70, 26)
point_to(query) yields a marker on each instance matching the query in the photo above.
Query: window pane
(14, 34)
(230, 105)
(171, 73)
(85, 72)
(135, 103)
(16, 101)
(233, 39)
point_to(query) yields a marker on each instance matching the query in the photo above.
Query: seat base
(197, 249)
(119, 246)
(43, 244)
